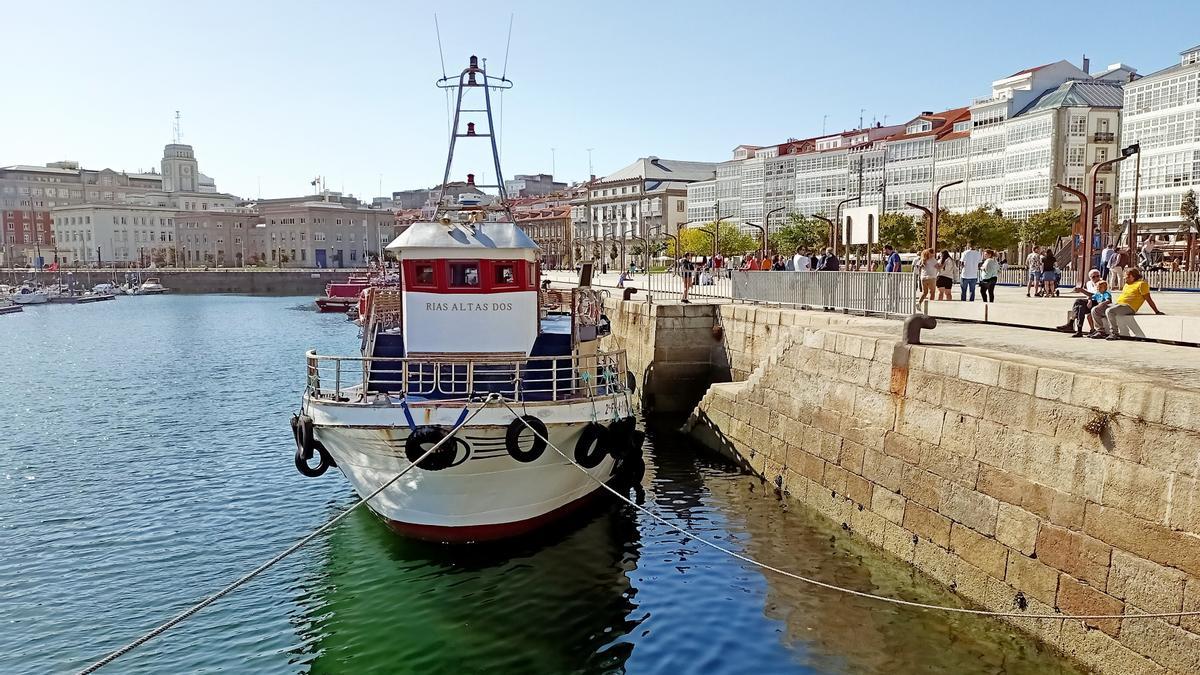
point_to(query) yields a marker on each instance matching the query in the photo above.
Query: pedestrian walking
(1049, 274)
(970, 272)
(892, 258)
(1033, 262)
(947, 270)
(928, 271)
(989, 273)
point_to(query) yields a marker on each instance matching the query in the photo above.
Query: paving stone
(1017, 528)
(983, 552)
(1145, 539)
(1146, 585)
(1079, 599)
(888, 504)
(927, 524)
(1167, 645)
(1075, 553)
(1032, 577)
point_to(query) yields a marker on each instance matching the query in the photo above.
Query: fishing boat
(467, 327)
(340, 296)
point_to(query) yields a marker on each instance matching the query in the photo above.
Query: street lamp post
(928, 222)
(767, 226)
(833, 234)
(1080, 228)
(1126, 153)
(937, 198)
(828, 222)
(762, 231)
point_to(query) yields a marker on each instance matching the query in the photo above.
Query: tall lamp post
(1126, 153)
(828, 222)
(767, 226)
(762, 233)
(928, 222)
(833, 233)
(937, 198)
(1080, 229)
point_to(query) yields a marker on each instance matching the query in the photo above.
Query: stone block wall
(977, 468)
(670, 348)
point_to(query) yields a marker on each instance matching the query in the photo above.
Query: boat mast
(474, 75)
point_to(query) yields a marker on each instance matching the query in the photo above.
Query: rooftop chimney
(471, 176)
(1087, 65)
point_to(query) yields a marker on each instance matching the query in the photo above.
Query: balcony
(1103, 137)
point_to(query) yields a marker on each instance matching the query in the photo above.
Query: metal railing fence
(888, 294)
(549, 378)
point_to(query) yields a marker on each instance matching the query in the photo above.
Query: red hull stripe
(476, 533)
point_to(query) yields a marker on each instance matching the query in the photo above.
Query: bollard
(628, 292)
(913, 326)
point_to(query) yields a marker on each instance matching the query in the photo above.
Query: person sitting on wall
(1082, 306)
(1134, 294)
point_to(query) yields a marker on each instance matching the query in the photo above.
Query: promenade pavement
(1157, 362)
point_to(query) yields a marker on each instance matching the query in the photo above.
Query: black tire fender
(512, 438)
(325, 460)
(592, 445)
(423, 438)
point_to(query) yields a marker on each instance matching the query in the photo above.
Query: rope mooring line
(833, 587)
(113, 656)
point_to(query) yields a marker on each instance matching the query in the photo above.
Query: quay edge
(975, 466)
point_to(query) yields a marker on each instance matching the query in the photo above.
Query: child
(1101, 299)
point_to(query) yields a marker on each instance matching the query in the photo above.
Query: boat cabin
(468, 289)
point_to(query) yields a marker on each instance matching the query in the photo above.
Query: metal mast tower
(474, 76)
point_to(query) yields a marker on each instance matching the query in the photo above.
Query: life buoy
(592, 446)
(423, 438)
(512, 438)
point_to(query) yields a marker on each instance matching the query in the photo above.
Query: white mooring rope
(849, 591)
(290, 550)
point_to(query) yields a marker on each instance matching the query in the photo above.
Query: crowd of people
(972, 270)
(1100, 310)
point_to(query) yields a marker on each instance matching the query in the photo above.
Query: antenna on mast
(176, 132)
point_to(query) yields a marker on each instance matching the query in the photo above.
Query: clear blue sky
(279, 92)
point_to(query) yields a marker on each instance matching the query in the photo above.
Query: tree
(983, 227)
(696, 241)
(800, 231)
(901, 230)
(1045, 228)
(1190, 211)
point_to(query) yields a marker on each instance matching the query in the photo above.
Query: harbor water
(146, 461)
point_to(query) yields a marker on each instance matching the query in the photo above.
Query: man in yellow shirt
(1135, 293)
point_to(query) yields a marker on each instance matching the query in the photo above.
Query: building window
(504, 274)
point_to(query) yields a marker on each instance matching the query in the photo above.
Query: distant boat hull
(29, 298)
(336, 304)
(11, 309)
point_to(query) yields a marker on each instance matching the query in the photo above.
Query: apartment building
(324, 230)
(1038, 127)
(547, 221)
(28, 194)
(1162, 113)
(645, 199)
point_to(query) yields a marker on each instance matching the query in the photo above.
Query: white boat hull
(29, 298)
(486, 493)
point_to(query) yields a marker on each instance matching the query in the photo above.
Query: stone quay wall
(977, 468)
(670, 348)
(258, 282)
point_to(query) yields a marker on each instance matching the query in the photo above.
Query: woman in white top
(928, 269)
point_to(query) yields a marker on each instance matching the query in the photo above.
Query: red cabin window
(464, 274)
(421, 274)
(504, 274)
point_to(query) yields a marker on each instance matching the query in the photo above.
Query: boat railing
(361, 379)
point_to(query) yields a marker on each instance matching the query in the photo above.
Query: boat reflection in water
(554, 602)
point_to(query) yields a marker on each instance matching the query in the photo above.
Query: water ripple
(147, 462)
